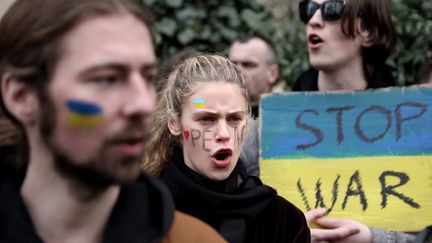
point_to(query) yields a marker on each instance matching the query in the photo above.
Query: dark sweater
(381, 78)
(240, 208)
(143, 212)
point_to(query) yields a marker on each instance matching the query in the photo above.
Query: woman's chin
(219, 175)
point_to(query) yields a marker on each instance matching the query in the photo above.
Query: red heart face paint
(186, 135)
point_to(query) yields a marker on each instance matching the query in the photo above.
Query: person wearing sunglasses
(348, 43)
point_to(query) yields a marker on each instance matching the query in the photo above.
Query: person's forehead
(107, 34)
(212, 90)
(254, 48)
(254, 43)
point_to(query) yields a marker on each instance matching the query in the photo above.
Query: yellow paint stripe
(200, 105)
(84, 120)
(284, 175)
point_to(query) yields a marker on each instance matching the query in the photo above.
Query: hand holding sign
(336, 230)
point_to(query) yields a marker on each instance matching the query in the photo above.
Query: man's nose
(141, 97)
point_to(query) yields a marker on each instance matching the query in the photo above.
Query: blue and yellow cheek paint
(199, 103)
(84, 114)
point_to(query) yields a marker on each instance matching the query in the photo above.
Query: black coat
(143, 213)
(240, 208)
(381, 78)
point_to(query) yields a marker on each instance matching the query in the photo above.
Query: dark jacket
(241, 208)
(381, 78)
(144, 212)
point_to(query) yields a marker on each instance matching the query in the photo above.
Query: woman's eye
(206, 120)
(235, 119)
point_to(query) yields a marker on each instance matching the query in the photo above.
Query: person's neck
(63, 210)
(349, 78)
(255, 102)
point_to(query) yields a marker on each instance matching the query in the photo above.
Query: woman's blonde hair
(180, 84)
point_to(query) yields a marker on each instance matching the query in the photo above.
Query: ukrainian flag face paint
(199, 103)
(84, 114)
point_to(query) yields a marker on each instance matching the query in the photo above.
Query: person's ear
(174, 126)
(274, 73)
(19, 99)
(364, 35)
(366, 39)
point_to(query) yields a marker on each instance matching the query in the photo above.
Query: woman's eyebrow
(236, 113)
(204, 113)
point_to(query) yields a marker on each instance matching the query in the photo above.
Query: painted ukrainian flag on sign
(84, 114)
(366, 156)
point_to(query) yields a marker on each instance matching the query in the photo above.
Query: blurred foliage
(212, 25)
(413, 22)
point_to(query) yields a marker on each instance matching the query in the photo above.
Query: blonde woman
(201, 119)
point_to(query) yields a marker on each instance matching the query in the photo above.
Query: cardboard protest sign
(365, 156)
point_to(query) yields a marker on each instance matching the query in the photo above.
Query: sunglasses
(330, 10)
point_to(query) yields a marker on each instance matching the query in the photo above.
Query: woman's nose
(223, 133)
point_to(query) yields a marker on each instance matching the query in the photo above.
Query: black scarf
(381, 78)
(228, 206)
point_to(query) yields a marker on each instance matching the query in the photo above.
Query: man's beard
(97, 173)
(104, 169)
(100, 172)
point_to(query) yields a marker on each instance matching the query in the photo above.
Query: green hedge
(413, 21)
(213, 25)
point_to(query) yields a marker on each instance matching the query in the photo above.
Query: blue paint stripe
(199, 101)
(83, 108)
(281, 137)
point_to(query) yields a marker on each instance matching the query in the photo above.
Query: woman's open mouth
(222, 157)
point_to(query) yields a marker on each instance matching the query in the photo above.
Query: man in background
(256, 57)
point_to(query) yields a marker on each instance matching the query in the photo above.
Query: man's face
(252, 59)
(102, 96)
